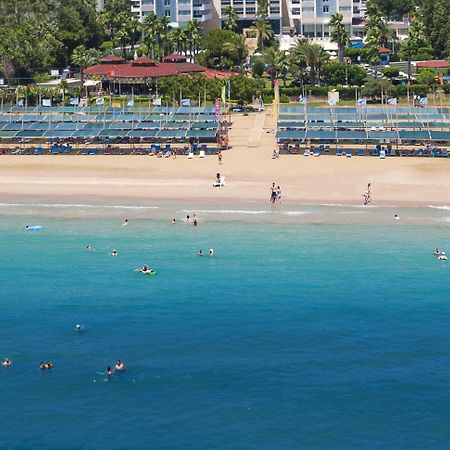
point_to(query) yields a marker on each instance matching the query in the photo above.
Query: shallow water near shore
(311, 327)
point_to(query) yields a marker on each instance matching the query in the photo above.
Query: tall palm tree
(231, 20)
(149, 30)
(415, 40)
(134, 30)
(339, 34)
(377, 30)
(263, 31)
(177, 39)
(123, 37)
(83, 58)
(314, 55)
(235, 50)
(193, 33)
(277, 62)
(162, 31)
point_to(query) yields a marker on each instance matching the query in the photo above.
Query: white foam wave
(226, 211)
(76, 205)
(295, 213)
(445, 208)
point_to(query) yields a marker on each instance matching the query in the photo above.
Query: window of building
(326, 9)
(345, 8)
(238, 2)
(296, 11)
(308, 9)
(250, 11)
(239, 10)
(166, 2)
(184, 12)
(275, 10)
(167, 13)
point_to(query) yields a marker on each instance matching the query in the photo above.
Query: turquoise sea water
(311, 327)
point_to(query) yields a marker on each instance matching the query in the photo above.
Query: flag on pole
(130, 103)
(100, 101)
(46, 102)
(19, 103)
(361, 102)
(302, 100)
(217, 108)
(185, 102)
(423, 101)
(157, 102)
(392, 101)
(223, 95)
(74, 101)
(229, 89)
(332, 102)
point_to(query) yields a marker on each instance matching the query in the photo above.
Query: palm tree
(83, 58)
(149, 30)
(123, 37)
(193, 32)
(263, 31)
(314, 55)
(234, 50)
(339, 34)
(277, 62)
(415, 40)
(377, 31)
(231, 20)
(134, 30)
(177, 39)
(162, 32)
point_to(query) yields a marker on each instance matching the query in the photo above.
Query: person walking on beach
(273, 193)
(219, 157)
(278, 194)
(367, 196)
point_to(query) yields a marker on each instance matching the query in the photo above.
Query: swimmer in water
(108, 371)
(396, 217)
(174, 221)
(125, 223)
(49, 365)
(200, 252)
(146, 270)
(442, 256)
(114, 253)
(77, 327)
(7, 362)
(211, 252)
(42, 365)
(188, 219)
(437, 252)
(88, 248)
(120, 366)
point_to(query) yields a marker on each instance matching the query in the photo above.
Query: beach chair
(375, 152)
(348, 153)
(92, 151)
(38, 150)
(361, 152)
(420, 152)
(190, 155)
(317, 152)
(339, 152)
(201, 154)
(382, 154)
(306, 152)
(444, 153)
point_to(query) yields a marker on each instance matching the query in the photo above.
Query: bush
(267, 99)
(258, 68)
(284, 98)
(391, 72)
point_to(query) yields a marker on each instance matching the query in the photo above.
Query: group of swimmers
(201, 253)
(119, 367)
(440, 255)
(46, 366)
(275, 194)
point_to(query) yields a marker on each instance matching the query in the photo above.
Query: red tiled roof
(175, 57)
(143, 61)
(384, 50)
(142, 71)
(112, 59)
(211, 74)
(433, 64)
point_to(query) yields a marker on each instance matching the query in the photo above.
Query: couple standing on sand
(275, 194)
(367, 197)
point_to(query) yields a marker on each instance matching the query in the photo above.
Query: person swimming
(200, 252)
(211, 252)
(437, 252)
(42, 365)
(120, 366)
(109, 371)
(188, 218)
(396, 217)
(49, 365)
(125, 223)
(442, 256)
(174, 221)
(114, 253)
(7, 362)
(88, 248)
(77, 327)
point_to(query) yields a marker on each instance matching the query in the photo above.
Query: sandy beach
(248, 168)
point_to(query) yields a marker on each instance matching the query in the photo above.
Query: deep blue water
(305, 334)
